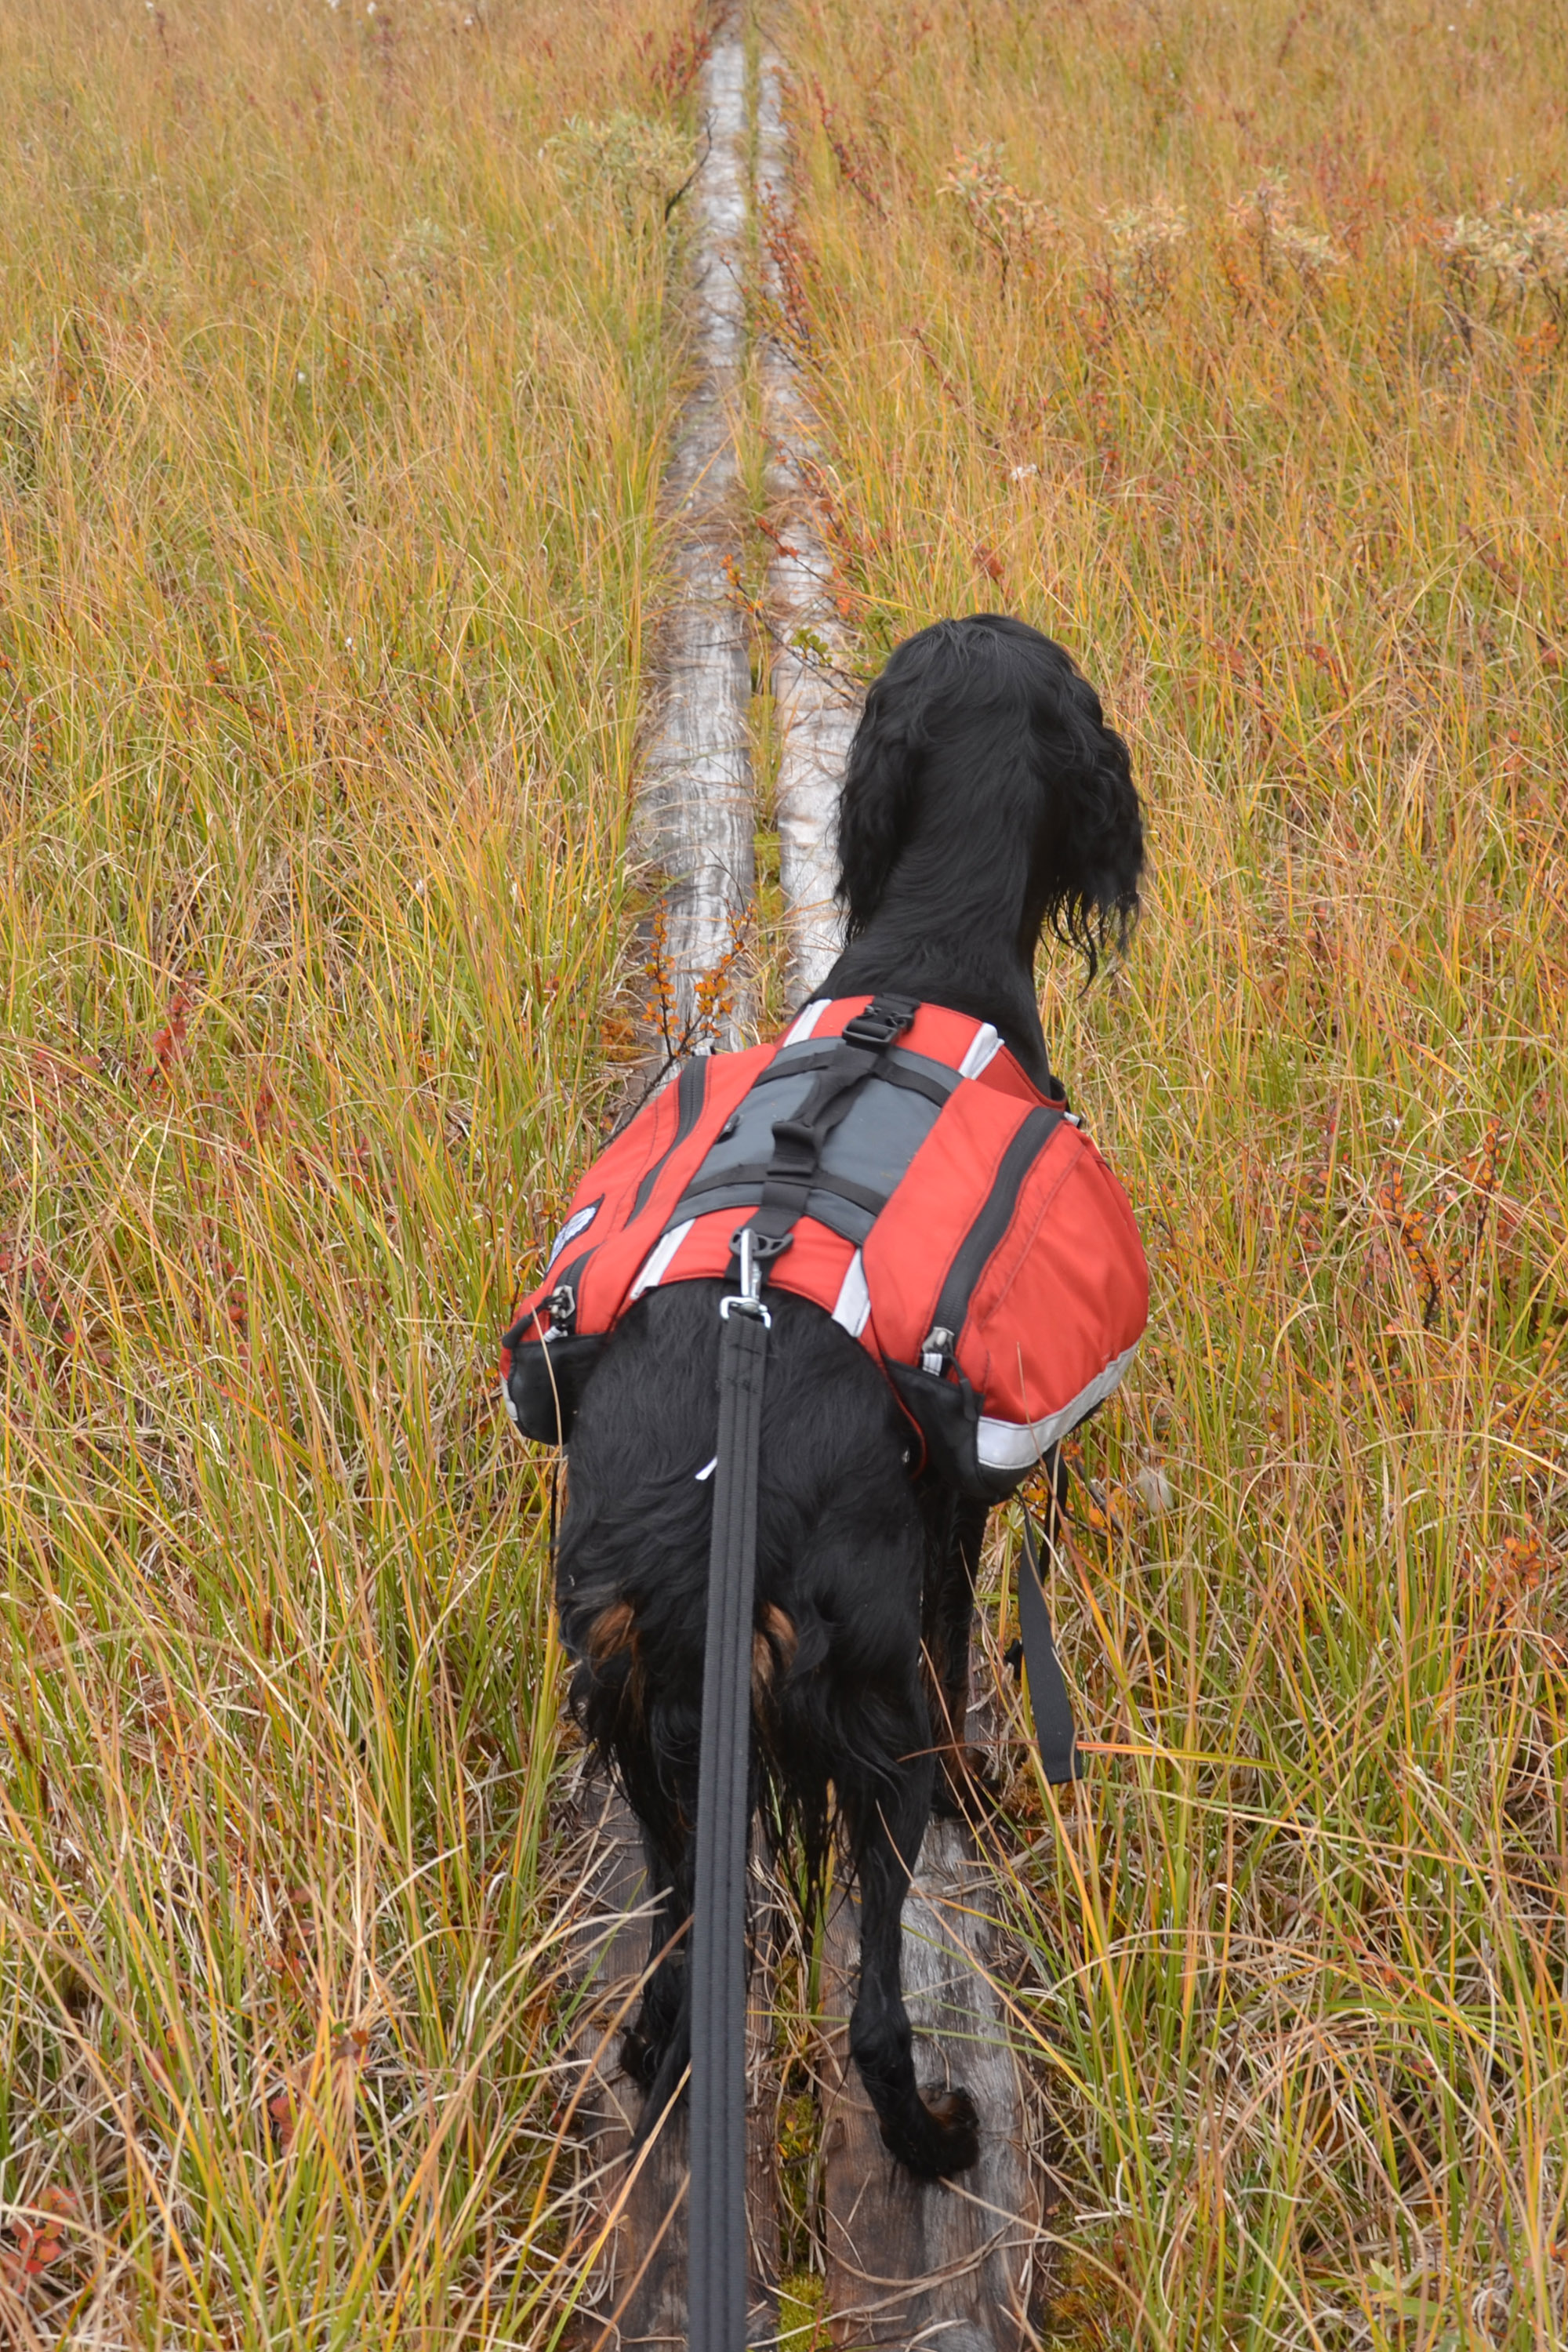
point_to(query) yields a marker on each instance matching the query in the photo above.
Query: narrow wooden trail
(814, 710)
(947, 2265)
(697, 810)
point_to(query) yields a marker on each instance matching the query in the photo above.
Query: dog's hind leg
(655, 2045)
(657, 2048)
(658, 2018)
(955, 1531)
(886, 1824)
(613, 1709)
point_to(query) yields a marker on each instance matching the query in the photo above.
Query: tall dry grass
(1153, 324)
(334, 375)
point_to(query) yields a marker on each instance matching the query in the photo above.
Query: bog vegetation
(1231, 345)
(336, 381)
(337, 366)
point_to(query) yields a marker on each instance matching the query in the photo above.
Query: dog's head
(982, 746)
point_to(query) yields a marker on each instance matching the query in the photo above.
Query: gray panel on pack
(871, 1147)
(750, 1143)
(938, 1071)
(874, 1145)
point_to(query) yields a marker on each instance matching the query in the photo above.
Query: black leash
(716, 2259)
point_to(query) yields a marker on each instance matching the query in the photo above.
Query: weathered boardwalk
(815, 709)
(637, 2294)
(944, 2263)
(947, 2265)
(696, 807)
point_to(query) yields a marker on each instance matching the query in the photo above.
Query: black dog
(984, 800)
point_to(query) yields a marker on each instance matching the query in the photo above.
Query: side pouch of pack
(1007, 1287)
(542, 1380)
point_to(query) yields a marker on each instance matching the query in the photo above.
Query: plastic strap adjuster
(875, 1027)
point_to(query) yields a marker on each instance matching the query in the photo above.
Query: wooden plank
(696, 811)
(817, 705)
(943, 2264)
(635, 2296)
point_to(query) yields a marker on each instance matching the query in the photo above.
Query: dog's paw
(945, 2139)
(954, 2115)
(640, 2055)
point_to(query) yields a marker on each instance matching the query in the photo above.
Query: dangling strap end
(1055, 1733)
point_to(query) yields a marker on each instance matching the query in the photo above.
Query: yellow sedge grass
(335, 373)
(1154, 326)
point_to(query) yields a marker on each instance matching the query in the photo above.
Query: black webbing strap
(866, 1037)
(716, 2257)
(1048, 1700)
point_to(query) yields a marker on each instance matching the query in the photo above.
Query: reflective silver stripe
(853, 1303)
(1014, 1444)
(984, 1047)
(572, 1228)
(658, 1258)
(806, 1021)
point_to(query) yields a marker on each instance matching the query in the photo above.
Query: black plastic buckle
(793, 1137)
(765, 1247)
(877, 1026)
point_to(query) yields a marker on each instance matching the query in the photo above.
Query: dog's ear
(1097, 858)
(876, 802)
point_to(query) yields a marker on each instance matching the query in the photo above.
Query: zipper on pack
(690, 1093)
(979, 1244)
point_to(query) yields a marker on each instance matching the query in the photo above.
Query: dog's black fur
(984, 800)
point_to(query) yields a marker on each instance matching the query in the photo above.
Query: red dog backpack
(896, 1166)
